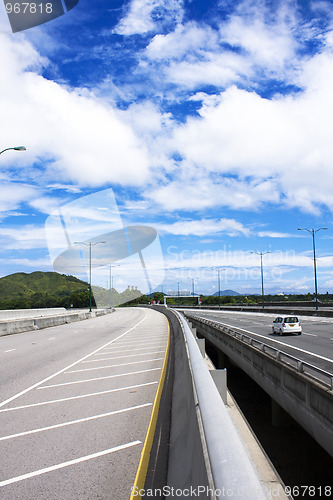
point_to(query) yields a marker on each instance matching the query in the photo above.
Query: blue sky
(211, 121)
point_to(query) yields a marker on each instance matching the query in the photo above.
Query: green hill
(42, 289)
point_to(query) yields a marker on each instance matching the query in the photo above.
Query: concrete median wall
(30, 313)
(268, 310)
(186, 463)
(12, 326)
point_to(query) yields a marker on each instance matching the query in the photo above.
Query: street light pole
(262, 276)
(219, 282)
(90, 245)
(116, 265)
(313, 232)
(16, 148)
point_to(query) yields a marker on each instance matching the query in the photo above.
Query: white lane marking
(142, 341)
(98, 378)
(72, 422)
(67, 464)
(310, 334)
(114, 366)
(277, 341)
(121, 357)
(78, 397)
(10, 350)
(69, 366)
(51, 338)
(144, 345)
(111, 351)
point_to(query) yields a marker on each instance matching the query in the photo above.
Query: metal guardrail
(315, 373)
(231, 467)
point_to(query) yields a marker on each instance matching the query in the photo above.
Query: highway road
(314, 346)
(75, 405)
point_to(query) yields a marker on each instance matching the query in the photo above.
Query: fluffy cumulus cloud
(196, 191)
(247, 44)
(250, 148)
(76, 137)
(284, 141)
(241, 150)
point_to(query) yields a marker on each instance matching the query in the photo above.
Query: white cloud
(247, 45)
(268, 44)
(12, 194)
(274, 234)
(204, 227)
(149, 15)
(47, 204)
(78, 138)
(194, 190)
(283, 143)
(32, 263)
(186, 40)
(25, 237)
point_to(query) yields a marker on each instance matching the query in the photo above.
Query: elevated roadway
(315, 345)
(296, 371)
(75, 405)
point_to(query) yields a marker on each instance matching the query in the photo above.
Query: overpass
(302, 389)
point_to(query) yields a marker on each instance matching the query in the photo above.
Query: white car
(287, 324)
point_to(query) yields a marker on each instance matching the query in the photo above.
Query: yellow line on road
(141, 474)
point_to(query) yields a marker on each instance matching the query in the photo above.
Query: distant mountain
(224, 293)
(41, 289)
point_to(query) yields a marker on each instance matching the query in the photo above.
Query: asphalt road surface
(314, 346)
(75, 406)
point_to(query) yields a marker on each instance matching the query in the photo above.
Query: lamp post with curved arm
(313, 232)
(16, 148)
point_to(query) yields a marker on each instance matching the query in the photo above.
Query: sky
(210, 121)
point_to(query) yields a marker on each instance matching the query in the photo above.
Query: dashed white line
(73, 422)
(98, 378)
(67, 464)
(10, 350)
(310, 334)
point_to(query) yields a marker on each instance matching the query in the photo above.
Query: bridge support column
(221, 359)
(280, 418)
(201, 345)
(220, 379)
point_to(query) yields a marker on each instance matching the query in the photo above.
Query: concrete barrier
(18, 326)
(207, 458)
(268, 310)
(186, 462)
(30, 313)
(232, 471)
(11, 326)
